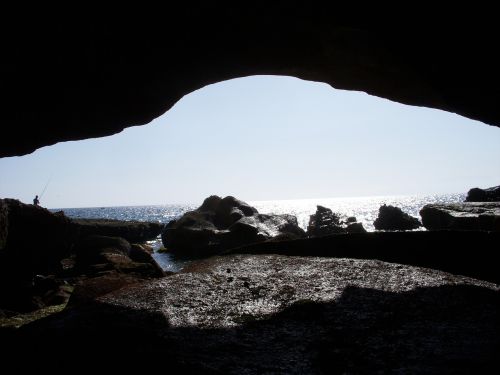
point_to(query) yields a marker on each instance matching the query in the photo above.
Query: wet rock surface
(462, 216)
(254, 314)
(491, 194)
(393, 218)
(86, 290)
(466, 253)
(222, 223)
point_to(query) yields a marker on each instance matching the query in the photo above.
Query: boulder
(325, 222)
(36, 243)
(88, 289)
(393, 218)
(140, 252)
(491, 194)
(41, 292)
(51, 290)
(249, 314)
(219, 224)
(98, 254)
(90, 249)
(355, 228)
(192, 233)
(33, 241)
(34, 236)
(230, 210)
(462, 216)
(210, 204)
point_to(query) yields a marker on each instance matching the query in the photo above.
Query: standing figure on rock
(36, 201)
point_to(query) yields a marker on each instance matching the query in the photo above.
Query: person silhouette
(36, 201)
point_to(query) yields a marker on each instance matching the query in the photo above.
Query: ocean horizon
(364, 208)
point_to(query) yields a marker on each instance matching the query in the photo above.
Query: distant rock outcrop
(132, 231)
(462, 216)
(220, 224)
(325, 222)
(393, 218)
(491, 194)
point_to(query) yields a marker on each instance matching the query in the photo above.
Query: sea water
(365, 209)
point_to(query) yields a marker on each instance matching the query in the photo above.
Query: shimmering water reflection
(365, 209)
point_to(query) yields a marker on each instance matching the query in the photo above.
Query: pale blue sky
(264, 138)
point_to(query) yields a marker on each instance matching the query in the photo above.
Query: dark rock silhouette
(86, 290)
(393, 218)
(325, 222)
(107, 73)
(230, 210)
(449, 251)
(220, 224)
(462, 216)
(491, 194)
(132, 231)
(4, 223)
(277, 314)
(35, 243)
(96, 254)
(140, 252)
(355, 228)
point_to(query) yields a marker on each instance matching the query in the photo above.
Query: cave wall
(67, 79)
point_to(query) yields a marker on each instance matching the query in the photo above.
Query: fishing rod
(45, 188)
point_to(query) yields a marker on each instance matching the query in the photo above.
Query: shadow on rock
(442, 330)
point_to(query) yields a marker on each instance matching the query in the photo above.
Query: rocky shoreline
(47, 258)
(264, 296)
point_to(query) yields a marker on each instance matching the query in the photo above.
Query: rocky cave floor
(256, 314)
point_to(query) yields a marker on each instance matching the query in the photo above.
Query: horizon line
(260, 200)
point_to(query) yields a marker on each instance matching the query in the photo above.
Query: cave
(71, 79)
(76, 78)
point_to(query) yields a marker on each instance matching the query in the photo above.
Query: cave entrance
(265, 138)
